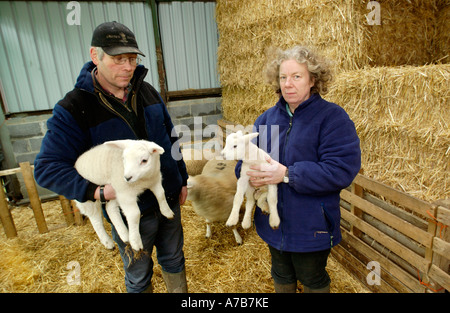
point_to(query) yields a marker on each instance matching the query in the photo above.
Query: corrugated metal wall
(189, 42)
(41, 55)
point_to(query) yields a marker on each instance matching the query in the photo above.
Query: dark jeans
(167, 236)
(308, 268)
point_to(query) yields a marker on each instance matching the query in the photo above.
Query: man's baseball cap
(115, 38)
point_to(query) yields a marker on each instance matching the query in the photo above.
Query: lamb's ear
(190, 183)
(121, 144)
(250, 136)
(154, 148)
(239, 133)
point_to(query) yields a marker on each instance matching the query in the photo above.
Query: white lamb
(212, 193)
(130, 167)
(240, 147)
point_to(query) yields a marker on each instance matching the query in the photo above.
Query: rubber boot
(325, 289)
(175, 282)
(285, 288)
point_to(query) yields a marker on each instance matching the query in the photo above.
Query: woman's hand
(270, 173)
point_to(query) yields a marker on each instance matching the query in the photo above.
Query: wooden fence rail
(72, 216)
(408, 237)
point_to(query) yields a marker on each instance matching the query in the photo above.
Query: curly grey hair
(319, 69)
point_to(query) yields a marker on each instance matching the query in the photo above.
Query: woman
(315, 154)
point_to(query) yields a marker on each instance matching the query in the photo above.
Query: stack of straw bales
(402, 116)
(389, 77)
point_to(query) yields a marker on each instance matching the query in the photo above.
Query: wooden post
(76, 212)
(357, 190)
(5, 216)
(441, 244)
(67, 210)
(34, 197)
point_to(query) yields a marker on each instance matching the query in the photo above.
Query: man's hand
(183, 195)
(108, 191)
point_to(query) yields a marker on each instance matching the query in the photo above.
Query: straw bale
(37, 263)
(337, 28)
(442, 36)
(244, 104)
(405, 35)
(402, 116)
(247, 28)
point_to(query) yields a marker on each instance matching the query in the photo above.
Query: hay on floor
(38, 263)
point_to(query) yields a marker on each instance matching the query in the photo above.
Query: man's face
(111, 74)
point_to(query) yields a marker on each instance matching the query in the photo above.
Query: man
(111, 101)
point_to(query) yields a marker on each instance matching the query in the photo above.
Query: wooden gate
(71, 214)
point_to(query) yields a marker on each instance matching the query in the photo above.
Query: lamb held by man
(130, 167)
(239, 147)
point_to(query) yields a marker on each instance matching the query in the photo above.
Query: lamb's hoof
(274, 226)
(109, 244)
(124, 238)
(231, 222)
(136, 245)
(237, 236)
(274, 221)
(246, 225)
(169, 215)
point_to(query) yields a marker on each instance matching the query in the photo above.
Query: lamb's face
(191, 186)
(136, 163)
(139, 160)
(237, 146)
(234, 147)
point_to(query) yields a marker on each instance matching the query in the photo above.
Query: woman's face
(295, 82)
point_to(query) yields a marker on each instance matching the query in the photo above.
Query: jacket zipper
(326, 225)
(109, 107)
(284, 161)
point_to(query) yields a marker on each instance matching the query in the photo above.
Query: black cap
(115, 38)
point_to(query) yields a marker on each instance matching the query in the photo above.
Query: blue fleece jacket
(320, 147)
(88, 116)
